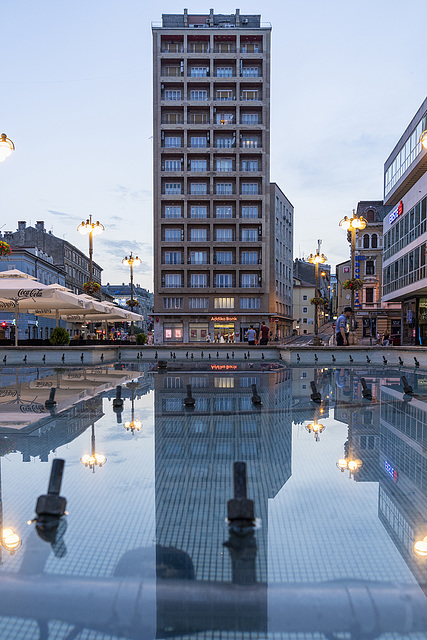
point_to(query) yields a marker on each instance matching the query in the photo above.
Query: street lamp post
(93, 229)
(94, 459)
(131, 261)
(316, 259)
(133, 425)
(353, 224)
(6, 147)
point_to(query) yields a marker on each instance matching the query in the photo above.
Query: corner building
(212, 262)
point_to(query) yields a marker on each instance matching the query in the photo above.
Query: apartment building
(213, 271)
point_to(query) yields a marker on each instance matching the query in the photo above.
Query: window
(198, 118)
(224, 303)
(172, 118)
(198, 257)
(172, 142)
(198, 94)
(224, 142)
(173, 165)
(198, 303)
(305, 297)
(173, 235)
(369, 295)
(249, 280)
(250, 72)
(198, 72)
(198, 212)
(250, 212)
(223, 280)
(250, 94)
(198, 47)
(250, 118)
(224, 212)
(224, 118)
(224, 188)
(224, 235)
(173, 257)
(250, 47)
(305, 309)
(224, 94)
(198, 165)
(374, 241)
(172, 303)
(198, 235)
(223, 257)
(249, 188)
(249, 235)
(224, 72)
(171, 71)
(224, 165)
(366, 241)
(225, 47)
(198, 188)
(173, 280)
(249, 257)
(249, 142)
(370, 268)
(172, 188)
(173, 212)
(199, 142)
(249, 165)
(173, 94)
(198, 280)
(304, 320)
(250, 303)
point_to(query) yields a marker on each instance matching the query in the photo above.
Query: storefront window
(173, 332)
(198, 331)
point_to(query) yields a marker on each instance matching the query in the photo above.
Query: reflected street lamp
(316, 428)
(420, 548)
(92, 229)
(94, 459)
(6, 147)
(423, 139)
(316, 259)
(133, 425)
(353, 224)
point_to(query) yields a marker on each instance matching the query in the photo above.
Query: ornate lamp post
(349, 463)
(131, 261)
(92, 229)
(95, 459)
(6, 147)
(133, 425)
(353, 224)
(316, 259)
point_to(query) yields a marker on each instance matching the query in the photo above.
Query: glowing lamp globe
(420, 548)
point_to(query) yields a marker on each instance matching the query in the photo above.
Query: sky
(76, 99)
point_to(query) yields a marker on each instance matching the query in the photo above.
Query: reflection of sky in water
(324, 526)
(170, 482)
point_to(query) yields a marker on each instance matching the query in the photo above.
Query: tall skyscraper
(214, 272)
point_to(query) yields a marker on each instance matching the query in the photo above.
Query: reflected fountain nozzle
(63, 358)
(407, 389)
(385, 361)
(417, 364)
(102, 357)
(298, 357)
(50, 509)
(118, 400)
(366, 392)
(368, 360)
(256, 398)
(316, 359)
(400, 361)
(51, 402)
(333, 358)
(351, 359)
(44, 358)
(189, 401)
(5, 359)
(82, 357)
(25, 359)
(316, 395)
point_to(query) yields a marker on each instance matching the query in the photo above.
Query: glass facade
(406, 157)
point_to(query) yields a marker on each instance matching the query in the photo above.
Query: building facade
(120, 294)
(405, 232)
(303, 292)
(214, 275)
(65, 256)
(281, 257)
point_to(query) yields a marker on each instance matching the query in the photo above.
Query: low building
(120, 294)
(303, 292)
(33, 262)
(65, 256)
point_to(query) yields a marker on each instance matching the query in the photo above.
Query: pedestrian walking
(264, 333)
(341, 329)
(251, 335)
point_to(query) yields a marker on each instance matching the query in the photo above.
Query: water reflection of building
(195, 452)
(402, 504)
(303, 408)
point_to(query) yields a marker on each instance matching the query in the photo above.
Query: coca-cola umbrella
(20, 292)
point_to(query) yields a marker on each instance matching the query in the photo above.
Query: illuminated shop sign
(396, 212)
(357, 275)
(223, 319)
(390, 470)
(223, 367)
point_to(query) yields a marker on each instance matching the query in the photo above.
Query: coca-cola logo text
(30, 293)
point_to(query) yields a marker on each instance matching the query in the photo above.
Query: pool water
(146, 551)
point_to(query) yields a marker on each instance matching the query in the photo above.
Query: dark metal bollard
(315, 396)
(256, 398)
(189, 401)
(63, 358)
(82, 357)
(50, 402)
(407, 389)
(366, 392)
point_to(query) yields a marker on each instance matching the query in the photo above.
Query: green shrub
(59, 336)
(141, 338)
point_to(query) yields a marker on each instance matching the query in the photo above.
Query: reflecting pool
(150, 546)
